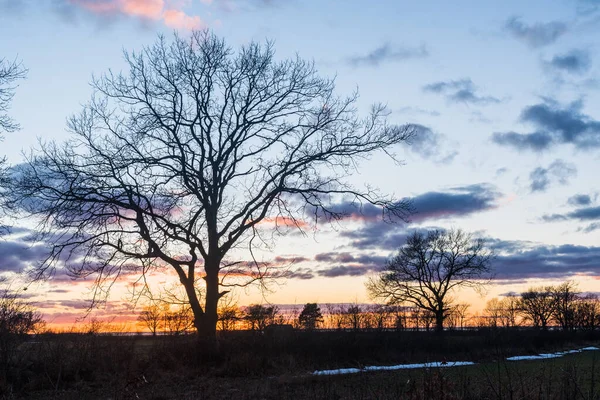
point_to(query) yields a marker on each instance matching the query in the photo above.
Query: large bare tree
(427, 269)
(179, 160)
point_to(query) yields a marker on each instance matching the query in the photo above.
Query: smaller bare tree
(565, 297)
(18, 318)
(259, 317)
(151, 317)
(429, 267)
(538, 305)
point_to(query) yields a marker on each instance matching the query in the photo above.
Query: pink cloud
(154, 10)
(177, 19)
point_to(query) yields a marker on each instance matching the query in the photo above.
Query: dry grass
(255, 367)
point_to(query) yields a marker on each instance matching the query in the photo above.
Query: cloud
(347, 264)
(580, 214)
(536, 141)
(536, 35)
(554, 124)
(574, 62)
(17, 255)
(580, 200)
(430, 145)
(431, 206)
(552, 262)
(387, 53)
(460, 91)
(456, 202)
(417, 110)
(168, 12)
(590, 228)
(559, 171)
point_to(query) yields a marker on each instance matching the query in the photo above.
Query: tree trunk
(439, 321)
(208, 328)
(190, 290)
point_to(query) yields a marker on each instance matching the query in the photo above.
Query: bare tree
(259, 317)
(565, 297)
(151, 317)
(538, 305)
(10, 73)
(428, 267)
(17, 319)
(186, 156)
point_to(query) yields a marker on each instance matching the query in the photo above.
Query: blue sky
(506, 93)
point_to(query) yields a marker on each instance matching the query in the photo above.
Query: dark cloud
(574, 62)
(536, 141)
(347, 264)
(535, 35)
(430, 145)
(552, 262)
(346, 257)
(581, 214)
(555, 124)
(456, 202)
(559, 172)
(17, 255)
(344, 270)
(580, 200)
(377, 236)
(388, 53)
(460, 91)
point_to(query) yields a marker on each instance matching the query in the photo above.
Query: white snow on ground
(392, 367)
(551, 355)
(444, 364)
(536, 357)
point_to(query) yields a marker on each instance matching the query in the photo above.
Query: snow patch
(442, 364)
(551, 355)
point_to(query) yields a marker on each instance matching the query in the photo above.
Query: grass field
(254, 367)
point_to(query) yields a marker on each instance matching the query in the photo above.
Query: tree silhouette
(259, 316)
(538, 305)
(151, 317)
(310, 316)
(10, 73)
(428, 267)
(189, 155)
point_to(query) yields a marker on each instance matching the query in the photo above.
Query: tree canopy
(429, 266)
(179, 160)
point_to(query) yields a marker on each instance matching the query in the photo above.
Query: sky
(506, 96)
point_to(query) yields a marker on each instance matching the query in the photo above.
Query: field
(254, 366)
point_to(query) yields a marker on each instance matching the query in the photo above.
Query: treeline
(541, 307)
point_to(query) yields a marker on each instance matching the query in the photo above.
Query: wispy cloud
(554, 124)
(557, 172)
(431, 145)
(387, 53)
(460, 91)
(535, 35)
